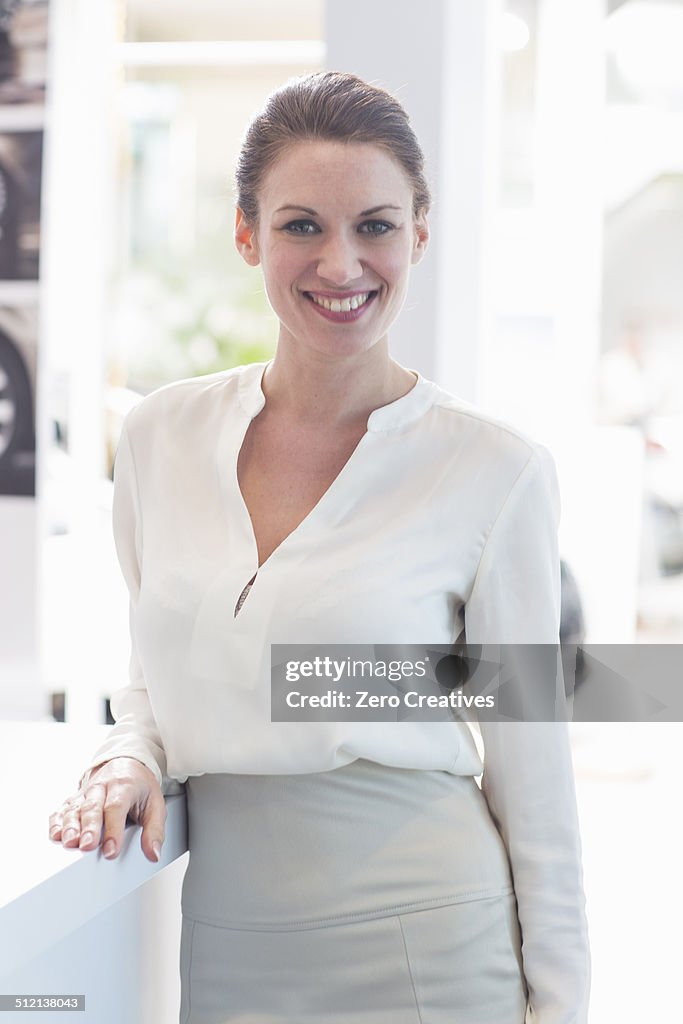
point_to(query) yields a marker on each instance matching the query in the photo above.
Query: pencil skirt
(364, 895)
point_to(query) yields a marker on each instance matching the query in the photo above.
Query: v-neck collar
(323, 516)
(399, 413)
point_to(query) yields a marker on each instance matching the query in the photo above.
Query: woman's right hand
(116, 790)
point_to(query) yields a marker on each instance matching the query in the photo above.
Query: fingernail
(69, 835)
(85, 839)
(156, 849)
(109, 848)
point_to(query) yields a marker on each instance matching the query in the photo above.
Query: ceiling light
(514, 32)
(645, 41)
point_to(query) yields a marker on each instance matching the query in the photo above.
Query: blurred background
(551, 296)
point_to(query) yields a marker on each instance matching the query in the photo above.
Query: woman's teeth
(341, 305)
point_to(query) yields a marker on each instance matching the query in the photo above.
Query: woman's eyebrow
(363, 213)
(291, 206)
(376, 209)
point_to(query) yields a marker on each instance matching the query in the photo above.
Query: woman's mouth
(344, 309)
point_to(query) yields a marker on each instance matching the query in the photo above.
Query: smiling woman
(340, 264)
(340, 871)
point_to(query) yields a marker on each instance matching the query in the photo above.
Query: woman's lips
(343, 316)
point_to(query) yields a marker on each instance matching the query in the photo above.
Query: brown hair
(334, 105)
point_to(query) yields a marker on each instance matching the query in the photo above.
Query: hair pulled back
(329, 105)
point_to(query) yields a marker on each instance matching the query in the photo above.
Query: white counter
(69, 918)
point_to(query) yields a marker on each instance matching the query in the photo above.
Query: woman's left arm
(528, 778)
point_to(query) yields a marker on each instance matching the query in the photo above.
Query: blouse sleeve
(528, 776)
(135, 733)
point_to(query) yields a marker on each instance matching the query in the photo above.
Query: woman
(339, 871)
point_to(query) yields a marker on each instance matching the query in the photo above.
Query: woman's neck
(333, 392)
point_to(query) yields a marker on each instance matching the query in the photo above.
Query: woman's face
(336, 231)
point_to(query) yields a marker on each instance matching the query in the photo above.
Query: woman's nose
(338, 261)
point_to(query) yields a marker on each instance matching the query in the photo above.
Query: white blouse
(442, 526)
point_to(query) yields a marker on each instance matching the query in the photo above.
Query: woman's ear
(245, 239)
(421, 236)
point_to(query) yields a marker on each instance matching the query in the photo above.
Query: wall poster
(23, 73)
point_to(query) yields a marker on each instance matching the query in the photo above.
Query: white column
(79, 247)
(441, 61)
(21, 695)
(79, 214)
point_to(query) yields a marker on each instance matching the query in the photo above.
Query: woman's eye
(308, 227)
(379, 227)
(297, 227)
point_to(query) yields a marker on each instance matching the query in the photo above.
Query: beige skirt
(364, 895)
